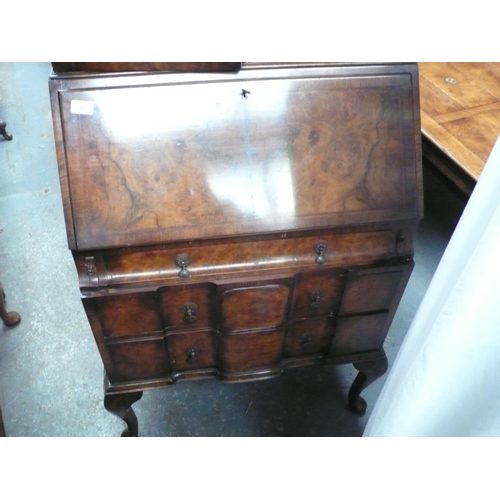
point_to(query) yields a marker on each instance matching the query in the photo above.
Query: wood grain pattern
(283, 158)
(370, 290)
(247, 318)
(190, 305)
(309, 336)
(229, 259)
(266, 348)
(191, 350)
(359, 333)
(317, 293)
(263, 306)
(293, 191)
(461, 118)
(144, 360)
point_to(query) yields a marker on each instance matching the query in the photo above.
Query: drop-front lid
(148, 159)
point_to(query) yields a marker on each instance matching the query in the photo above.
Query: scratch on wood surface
(248, 407)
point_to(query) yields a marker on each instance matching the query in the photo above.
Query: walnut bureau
(234, 224)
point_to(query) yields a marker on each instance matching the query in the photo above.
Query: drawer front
(191, 350)
(249, 351)
(245, 327)
(187, 305)
(123, 315)
(141, 360)
(310, 336)
(212, 262)
(374, 289)
(254, 307)
(317, 293)
(359, 333)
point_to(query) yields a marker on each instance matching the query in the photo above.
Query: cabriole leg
(120, 405)
(369, 371)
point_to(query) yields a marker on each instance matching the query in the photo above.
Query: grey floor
(51, 375)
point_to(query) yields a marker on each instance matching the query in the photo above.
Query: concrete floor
(51, 375)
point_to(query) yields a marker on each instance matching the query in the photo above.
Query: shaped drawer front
(248, 351)
(374, 289)
(254, 307)
(359, 333)
(187, 305)
(310, 336)
(191, 350)
(129, 314)
(317, 293)
(140, 360)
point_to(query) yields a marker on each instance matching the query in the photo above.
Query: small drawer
(241, 352)
(372, 289)
(310, 336)
(137, 360)
(254, 307)
(191, 350)
(122, 315)
(359, 333)
(187, 305)
(317, 293)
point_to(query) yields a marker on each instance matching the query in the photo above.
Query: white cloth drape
(445, 380)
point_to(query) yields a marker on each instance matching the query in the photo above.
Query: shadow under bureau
(234, 224)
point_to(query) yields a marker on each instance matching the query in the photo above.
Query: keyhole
(244, 93)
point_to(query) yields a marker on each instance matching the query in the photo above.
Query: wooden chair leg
(9, 318)
(3, 132)
(2, 428)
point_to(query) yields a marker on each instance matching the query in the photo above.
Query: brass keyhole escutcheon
(191, 354)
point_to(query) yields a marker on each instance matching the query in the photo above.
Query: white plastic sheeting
(445, 380)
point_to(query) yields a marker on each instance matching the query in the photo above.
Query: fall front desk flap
(165, 157)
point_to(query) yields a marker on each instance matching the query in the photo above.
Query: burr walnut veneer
(234, 224)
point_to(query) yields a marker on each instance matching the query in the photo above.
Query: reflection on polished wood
(234, 225)
(268, 162)
(460, 108)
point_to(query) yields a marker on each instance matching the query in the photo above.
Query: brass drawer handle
(320, 248)
(90, 266)
(307, 341)
(189, 311)
(192, 355)
(316, 297)
(183, 260)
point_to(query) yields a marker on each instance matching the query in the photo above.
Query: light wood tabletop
(460, 113)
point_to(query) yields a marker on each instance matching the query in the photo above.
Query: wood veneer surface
(460, 111)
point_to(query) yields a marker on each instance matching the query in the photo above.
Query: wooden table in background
(460, 112)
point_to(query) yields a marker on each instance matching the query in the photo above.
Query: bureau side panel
(54, 87)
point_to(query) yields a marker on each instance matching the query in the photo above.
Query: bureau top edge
(246, 66)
